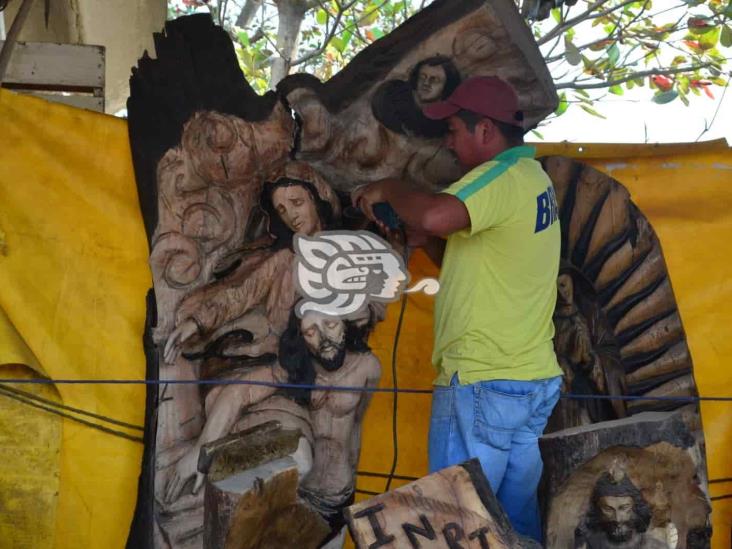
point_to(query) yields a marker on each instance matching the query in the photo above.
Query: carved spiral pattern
(211, 223)
(175, 259)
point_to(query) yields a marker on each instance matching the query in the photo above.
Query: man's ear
(486, 130)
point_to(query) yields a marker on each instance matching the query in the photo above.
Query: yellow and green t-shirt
(493, 313)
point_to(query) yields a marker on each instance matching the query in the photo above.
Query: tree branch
(247, 13)
(586, 15)
(641, 74)
(328, 37)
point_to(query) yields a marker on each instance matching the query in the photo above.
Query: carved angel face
(430, 83)
(297, 209)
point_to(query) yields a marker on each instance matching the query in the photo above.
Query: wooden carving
(227, 178)
(636, 482)
(451, 508)
(365, 123)
(618, 329)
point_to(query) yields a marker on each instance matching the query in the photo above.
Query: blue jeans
(500, 423)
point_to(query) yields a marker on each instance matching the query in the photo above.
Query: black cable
(91, 424)
(384, 475)
(396, 393)
(79, 411)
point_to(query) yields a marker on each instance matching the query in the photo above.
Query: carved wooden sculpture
(451, 508)
(226, 178)
(222, 199)
(618, 329)
(635, 482)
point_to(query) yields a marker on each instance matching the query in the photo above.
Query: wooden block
(56, 66)
(451, 508)
(259, 508)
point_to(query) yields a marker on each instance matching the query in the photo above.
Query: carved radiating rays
(609, 244)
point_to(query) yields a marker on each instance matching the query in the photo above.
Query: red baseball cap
(485, 95)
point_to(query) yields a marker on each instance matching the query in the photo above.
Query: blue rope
(344, 388)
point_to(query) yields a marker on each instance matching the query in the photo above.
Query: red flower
(664, 83)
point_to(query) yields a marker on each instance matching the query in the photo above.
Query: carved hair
(295, 358)
(452, 76)
(277, 227)
(610, 484)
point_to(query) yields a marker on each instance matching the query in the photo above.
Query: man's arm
(436, 214)
(433, 246)
(435, 249)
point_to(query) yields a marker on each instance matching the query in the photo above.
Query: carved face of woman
(296, 207)
(430, 83)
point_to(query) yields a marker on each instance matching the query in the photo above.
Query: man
(618, 517)
(495, 233)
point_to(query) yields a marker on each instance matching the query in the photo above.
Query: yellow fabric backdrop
(73, 276)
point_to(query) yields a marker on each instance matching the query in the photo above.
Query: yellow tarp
(73, 276)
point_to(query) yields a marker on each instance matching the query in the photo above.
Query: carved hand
(187, 329)
(184, 470)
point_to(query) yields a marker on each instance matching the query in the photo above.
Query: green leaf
(661, 98)
(243, 38)
(710, 39)
(557, 14)
(593, 112)
(678, 60)
(346, 38)
(321, 17)
(538, 134)
(571, 53)
(563, 105)
(378, 33)
(617, 90)
(725, 37)
(613, 54)
(684, 100)
(582, 92)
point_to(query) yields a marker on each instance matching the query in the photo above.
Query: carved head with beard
(318, 338)
(617, 512)
(325, 339)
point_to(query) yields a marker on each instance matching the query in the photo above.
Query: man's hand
(187, 329)
(365, 196)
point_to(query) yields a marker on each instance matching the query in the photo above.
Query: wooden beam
(58, 67)
(89, 102)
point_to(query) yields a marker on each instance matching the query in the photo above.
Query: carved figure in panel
(315, 350)
(635, 482)
(618, 517)
(397, 104)
(260, 283)
(366, 124)
(618, 330)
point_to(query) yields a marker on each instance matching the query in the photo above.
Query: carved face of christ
(618, 517)
(325, 338)
(296, 207)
